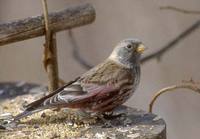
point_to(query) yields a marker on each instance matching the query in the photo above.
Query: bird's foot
(106, 123)
(111, 115)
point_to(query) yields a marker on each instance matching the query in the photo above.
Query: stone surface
(125, 122)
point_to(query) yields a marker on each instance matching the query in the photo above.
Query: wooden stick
(52, 64)
(184, 11)
(173, 43)
(34, 27)
(50, 51)
(169, 89)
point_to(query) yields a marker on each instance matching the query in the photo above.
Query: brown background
(116, 20)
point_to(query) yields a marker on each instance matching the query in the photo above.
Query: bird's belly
(111, 101)
(125, 95)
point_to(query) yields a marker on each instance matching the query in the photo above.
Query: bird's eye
(129, 46)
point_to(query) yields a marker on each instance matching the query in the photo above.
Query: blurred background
(117, 20)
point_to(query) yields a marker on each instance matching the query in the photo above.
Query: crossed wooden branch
(32, 27)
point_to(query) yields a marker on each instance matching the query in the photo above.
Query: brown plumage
(102, 88)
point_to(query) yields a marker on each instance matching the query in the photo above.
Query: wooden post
(32, 27)
(50, 52)
(51, 64)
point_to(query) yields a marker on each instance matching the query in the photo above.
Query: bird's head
(128, 52)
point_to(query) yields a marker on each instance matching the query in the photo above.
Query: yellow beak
(141, 48)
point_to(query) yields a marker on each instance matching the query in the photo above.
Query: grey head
(128, 52)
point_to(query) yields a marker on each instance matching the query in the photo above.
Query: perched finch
(102, 88)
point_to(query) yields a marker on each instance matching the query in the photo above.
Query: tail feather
(38, 106)
(38, 103)
(26, 113)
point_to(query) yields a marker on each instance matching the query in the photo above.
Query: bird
(102, 88)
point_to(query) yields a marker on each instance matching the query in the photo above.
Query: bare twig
(190, 86)
(46, 19)
(179, 10)
(47, 52)
(50, 52)
(158, 54)
(76, 53)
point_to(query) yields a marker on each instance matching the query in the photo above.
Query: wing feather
(99, 81)
(77, 93)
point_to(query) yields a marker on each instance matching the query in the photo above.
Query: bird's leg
(106, 123)
(108, 115)
(112, 115)
(115, 113)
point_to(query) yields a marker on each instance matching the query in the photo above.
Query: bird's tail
(26, 113)
(38, 105)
